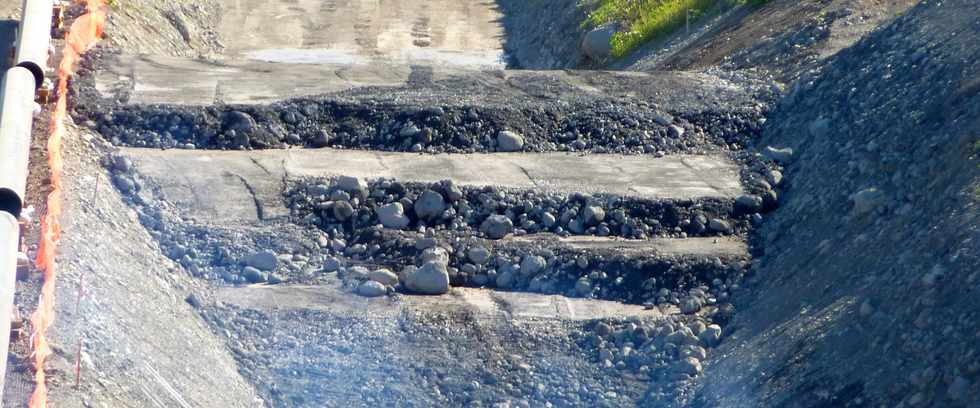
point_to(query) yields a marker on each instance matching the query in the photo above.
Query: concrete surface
(664, 246)
(227, 186)
(486, 303)
(358, 32)
(154, 79)
(140, 80)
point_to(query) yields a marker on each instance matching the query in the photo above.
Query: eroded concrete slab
(235, 186)
(713, 246)
(484, 302)
(186, 81)
(360, 32)
(142, 80)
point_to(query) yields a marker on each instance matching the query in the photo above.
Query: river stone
(497, 226)
(867, 201)
(332, 264)
(531, 265)
(509, 141)
(239, 122)
(342, 210)
(393, 216)
(253, 275)
(688, 365)
(263, 261)
(748, 203)
(351, 185)
(371, 289)
(479, 255)
(431, 279)
(430, 205)
(720, 225)
(779, 155)
(592, 215)
(384, 277)
(435, 254)
(597, 43)
(711, 335)
(505, 279)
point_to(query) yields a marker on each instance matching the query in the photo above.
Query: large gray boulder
(497, 226)
(351, 185)
(263, 261)
(532, 265)
(431, 279)
(597, 43)
(430, 205)
(509, 141)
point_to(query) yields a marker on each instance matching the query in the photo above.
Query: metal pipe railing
(9, 241)
(34, 38)
(16, 120)
(17, 94)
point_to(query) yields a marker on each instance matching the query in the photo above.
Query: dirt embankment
(179, 28)
(866, 293)
(544, 34)
(123, 311)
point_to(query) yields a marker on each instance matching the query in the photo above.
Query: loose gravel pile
(604, 127)
(343, 205)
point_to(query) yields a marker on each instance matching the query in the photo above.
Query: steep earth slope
(866, 294)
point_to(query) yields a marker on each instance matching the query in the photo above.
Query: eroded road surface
(384, 216)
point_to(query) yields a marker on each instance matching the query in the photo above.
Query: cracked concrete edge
(193, 180)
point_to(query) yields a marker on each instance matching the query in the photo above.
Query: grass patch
(645, 20)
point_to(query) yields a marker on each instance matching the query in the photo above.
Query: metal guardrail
(9, 240)
(17, 95)
(16, 120)
(34, 37)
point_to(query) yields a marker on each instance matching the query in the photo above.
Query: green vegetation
(645, 20)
